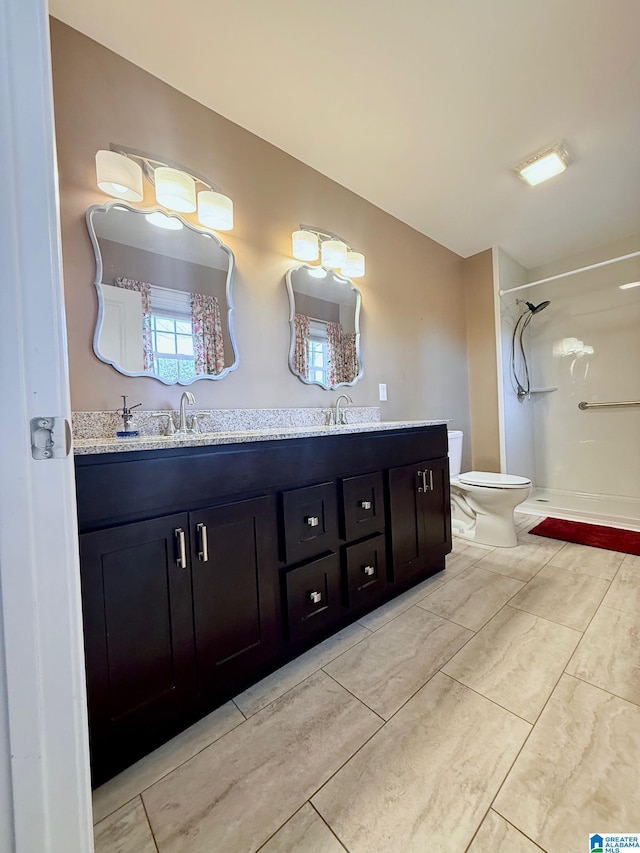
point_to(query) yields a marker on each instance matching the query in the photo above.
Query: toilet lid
(494, 481)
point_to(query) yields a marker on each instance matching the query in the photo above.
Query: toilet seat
(489, 480)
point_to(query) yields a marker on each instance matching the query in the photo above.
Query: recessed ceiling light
(544, 165)
(630, 285)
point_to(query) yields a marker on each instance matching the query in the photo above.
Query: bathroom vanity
(205, 567)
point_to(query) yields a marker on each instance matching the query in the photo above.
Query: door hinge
(50, 438)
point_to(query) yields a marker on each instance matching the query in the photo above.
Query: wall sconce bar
(120, 170)
(335, 252)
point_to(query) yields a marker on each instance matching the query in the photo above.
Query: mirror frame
(104, 208)
(292, 326)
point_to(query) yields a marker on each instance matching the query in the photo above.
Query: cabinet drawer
(366, 569)
(362, 506)
(310, 519)
(313, 597)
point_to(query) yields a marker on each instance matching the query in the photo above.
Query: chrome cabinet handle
(181, 559)
(312, 520)
(422, 476)
(315, 597)
(369, 570)
(430, 480)
(203, 553)
(365, 504)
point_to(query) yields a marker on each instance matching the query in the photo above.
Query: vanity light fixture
(354, 268)
(119, 176)
(306, 246)
(544, 165)
(120, 172)
(335, 253)
(175, 189)
(215, 210)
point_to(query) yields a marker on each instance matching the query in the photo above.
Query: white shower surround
(585, 464)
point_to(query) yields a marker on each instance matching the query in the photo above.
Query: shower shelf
(543, 390)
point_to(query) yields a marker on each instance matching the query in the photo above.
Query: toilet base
(488, 530)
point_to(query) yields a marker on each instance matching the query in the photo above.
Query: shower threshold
(610, 510)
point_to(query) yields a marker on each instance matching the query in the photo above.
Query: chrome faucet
(339, 415)
(187, 399)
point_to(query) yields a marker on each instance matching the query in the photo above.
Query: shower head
(535, 309)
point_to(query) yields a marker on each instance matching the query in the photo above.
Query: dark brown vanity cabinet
(420, 518)
(139, 641)
(179, 612)
(204, 568)
(233, 550)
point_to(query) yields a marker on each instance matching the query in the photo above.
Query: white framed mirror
(165, 304)
(325, 327)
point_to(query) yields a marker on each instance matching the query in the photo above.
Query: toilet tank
(455, 452)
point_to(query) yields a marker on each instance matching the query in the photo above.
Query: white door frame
(45, 803)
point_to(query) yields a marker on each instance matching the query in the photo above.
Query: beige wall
(483, 361)
(413, 317)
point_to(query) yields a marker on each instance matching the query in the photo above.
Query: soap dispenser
(129, 429)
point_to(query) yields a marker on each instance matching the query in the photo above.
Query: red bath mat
(596, 535)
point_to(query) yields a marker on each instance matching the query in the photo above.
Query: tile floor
(495, 707)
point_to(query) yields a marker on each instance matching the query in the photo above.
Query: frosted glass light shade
(119, 176)
(354, 268)
(215, 210)
(305, 246)
(175, 189)
(334, 254)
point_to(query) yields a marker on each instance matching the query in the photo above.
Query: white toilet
(482, 504)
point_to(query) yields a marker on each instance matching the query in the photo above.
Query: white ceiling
(420, 106)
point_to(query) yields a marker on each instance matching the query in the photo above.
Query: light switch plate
(382, 387)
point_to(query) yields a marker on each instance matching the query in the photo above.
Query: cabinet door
(234, 592)
(420, 518)
(436, 503)
(406, 527)
(139, 642)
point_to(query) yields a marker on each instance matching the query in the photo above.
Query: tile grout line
(337, 837)
(533, 726)
(169, 772)
(302, 680)
(146, 814)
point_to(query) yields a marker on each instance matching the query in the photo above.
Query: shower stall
(570, 384)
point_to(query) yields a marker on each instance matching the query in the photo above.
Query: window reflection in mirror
(325, 332)
(165, 303)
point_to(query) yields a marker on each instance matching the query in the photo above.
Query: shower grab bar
(584, 405)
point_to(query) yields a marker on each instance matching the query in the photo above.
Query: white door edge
(45, 802)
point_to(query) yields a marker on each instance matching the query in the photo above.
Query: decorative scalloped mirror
(325, 327)
(165, 302)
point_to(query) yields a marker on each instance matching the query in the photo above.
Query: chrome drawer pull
(203, 553)
(365, 504)
(422, 476)
(430, 480)
(315, 597)
(181, 559)
(312, 520)
(369, 570)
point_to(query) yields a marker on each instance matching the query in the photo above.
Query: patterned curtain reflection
(144, 289)
(208, 344)
(301, 352)
(343, 359)
(350, 366)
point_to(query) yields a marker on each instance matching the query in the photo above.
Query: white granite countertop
(87, 446)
